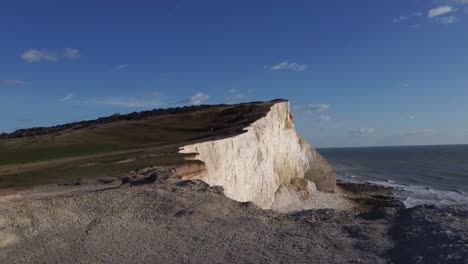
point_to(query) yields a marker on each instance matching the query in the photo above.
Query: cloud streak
(119, 68)
(444, 14)
(67, 97)
(198, 98)
(440, 11)
(35, 55)
(286, 66)
(448, 20)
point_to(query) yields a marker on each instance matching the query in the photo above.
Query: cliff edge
(267, 164)
(250, 149)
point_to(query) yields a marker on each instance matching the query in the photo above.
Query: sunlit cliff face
(253, 166)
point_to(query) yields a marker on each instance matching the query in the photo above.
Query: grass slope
(113, 149)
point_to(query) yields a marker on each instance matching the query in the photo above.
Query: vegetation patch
(78, 151)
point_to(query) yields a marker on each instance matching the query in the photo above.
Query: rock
(252, 166)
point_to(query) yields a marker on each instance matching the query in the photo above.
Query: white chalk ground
(289, 199)
(185, 222)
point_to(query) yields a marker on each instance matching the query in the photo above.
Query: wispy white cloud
(440, 11)
(34, 55)
(312, 108)
(447, 20)
(67, 97)
(12, 82)
(198, 98)
(71, 53)
(286, 66)
(119, 67)
(443, 14)
(325, 118)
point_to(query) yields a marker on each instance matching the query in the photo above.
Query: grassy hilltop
(113, 146)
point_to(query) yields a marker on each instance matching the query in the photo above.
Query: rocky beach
(161, 218)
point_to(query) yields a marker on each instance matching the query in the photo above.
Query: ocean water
(423, 174)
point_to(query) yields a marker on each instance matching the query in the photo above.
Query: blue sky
(358, 73)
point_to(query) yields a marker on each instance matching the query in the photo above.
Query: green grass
(38, 153)
(124, 135)
(94, 152)
(99, 151)
(89, 168)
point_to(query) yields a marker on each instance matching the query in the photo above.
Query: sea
(435, 175)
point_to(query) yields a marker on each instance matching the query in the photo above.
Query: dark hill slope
(112, 146)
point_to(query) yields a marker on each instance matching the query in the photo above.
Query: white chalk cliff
(260, 164)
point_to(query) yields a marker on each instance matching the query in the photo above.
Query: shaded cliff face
(270, 155)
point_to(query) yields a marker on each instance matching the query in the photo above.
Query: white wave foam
(418, 181)
(413, 195)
